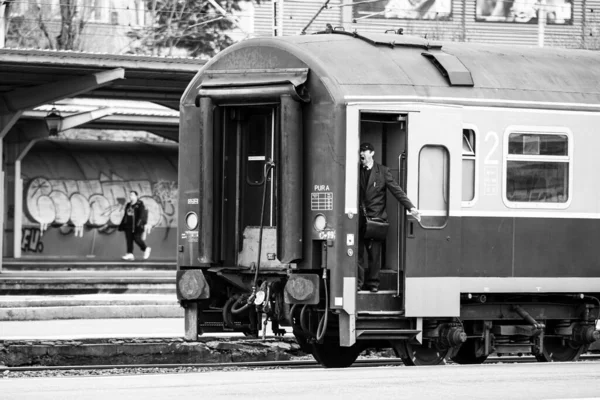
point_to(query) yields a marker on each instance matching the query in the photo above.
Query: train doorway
(387, 133)
(248, 149)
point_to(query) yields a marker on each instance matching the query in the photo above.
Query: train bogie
(503, 259)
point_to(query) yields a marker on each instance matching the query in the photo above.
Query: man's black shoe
(374, 290)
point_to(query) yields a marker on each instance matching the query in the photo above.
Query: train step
(86, 282)
(386, 334)
(98, 306)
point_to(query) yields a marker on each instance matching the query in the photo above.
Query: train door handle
(411, 229)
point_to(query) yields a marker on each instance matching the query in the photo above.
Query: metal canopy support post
(541, 22)
(3, 18)
(18, 221)
(18, 216)
(7, 120)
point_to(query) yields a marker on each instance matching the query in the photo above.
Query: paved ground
(549, 381)
(92, 328)
(100, 328)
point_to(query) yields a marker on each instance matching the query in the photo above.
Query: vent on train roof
(392, 40)
(451, 68)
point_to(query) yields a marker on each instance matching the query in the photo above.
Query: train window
(537, 168)
(468, 166)
(433, 186)
(256, 149)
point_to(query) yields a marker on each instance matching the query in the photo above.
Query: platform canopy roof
(31, 78)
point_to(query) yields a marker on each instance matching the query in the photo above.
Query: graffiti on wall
(31, 240)
(97, 203)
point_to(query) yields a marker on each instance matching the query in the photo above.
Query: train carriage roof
(391, 66)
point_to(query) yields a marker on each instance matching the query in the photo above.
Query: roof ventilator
(451, 68)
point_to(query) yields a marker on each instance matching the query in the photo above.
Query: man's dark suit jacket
(374, 193)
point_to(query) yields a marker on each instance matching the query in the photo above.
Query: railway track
(375, 362)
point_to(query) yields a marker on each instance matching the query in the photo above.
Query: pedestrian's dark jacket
(373, 195)
(135, 217)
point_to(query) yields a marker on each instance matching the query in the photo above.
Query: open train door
(433, 245)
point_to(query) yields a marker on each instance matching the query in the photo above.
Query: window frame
(473, 201)
(506, 157)
(446, 184)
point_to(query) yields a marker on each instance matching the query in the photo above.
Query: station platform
(61, 277)
(53, 290)
(77, 329)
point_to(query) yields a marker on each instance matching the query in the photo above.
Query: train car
(495, 145)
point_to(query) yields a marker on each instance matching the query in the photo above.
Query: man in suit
(374, 180)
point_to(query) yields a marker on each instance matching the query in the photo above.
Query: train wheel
(557, 350)
(417, 354)
(467, 353)
(331, 355)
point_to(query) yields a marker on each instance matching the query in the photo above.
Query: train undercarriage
(550, 327)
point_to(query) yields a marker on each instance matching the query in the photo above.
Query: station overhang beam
(13, 103)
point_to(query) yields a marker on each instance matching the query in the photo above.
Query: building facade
(569, 23)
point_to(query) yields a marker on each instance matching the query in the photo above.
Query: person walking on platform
(133, 224)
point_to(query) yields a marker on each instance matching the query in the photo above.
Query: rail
(374, 362)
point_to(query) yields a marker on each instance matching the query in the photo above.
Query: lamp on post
(54, 121)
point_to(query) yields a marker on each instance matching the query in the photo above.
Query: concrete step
(99, 306)
(86, 282)
(12, 265)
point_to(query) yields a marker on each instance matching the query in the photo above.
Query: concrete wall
(74, 194)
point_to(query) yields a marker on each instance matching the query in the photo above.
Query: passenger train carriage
(497, 146)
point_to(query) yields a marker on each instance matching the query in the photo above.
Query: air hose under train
(267, 170)
(322, 326)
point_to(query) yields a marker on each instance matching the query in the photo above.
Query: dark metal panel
(506, 312)
(487, 247)
(557, 247)
(511, 247)
(289, 222)
(436, 252)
